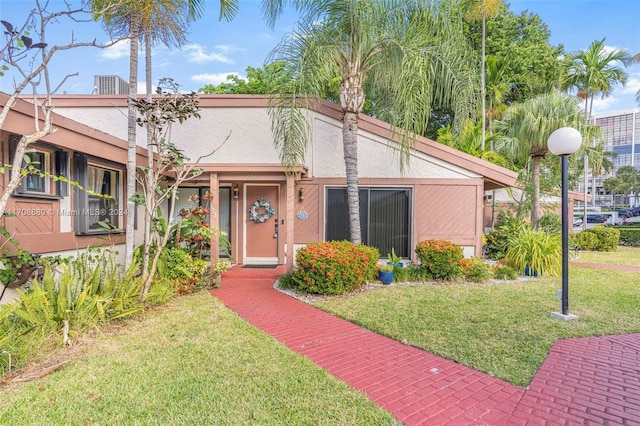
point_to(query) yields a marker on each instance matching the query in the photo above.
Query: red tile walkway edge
(583, 381)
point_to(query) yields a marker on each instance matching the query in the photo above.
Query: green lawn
(190, 362)
(628, 256)
(502, 329)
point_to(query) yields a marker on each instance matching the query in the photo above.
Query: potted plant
(385, 274)
(534, 253)
(394, 260)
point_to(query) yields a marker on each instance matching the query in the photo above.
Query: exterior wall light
(301, 194)
(236, 192)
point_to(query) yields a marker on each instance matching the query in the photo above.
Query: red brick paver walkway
(577, 384)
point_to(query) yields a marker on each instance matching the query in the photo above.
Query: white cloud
(606, 104)
(226, 48)
(117, 51)
(215, 78)
(196, 53)
(632, 86)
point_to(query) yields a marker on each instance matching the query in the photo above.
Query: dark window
(47, 161)
(99, 203)
(384, 218)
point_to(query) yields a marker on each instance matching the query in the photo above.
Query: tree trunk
(535, 213)
(350, 145)
(150, 187)
(131, 143)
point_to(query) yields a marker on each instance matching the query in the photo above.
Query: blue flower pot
(385, 277)
(530, 272)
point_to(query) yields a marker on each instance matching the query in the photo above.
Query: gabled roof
(69, 134)
(494, 176)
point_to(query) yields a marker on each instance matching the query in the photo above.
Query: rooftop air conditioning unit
(110, 85)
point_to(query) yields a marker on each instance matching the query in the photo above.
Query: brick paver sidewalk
(583, 381)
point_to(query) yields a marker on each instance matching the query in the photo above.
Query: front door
(262, 211)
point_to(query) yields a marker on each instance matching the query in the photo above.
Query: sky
(216, 48)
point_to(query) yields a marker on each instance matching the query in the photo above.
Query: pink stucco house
(440, 195)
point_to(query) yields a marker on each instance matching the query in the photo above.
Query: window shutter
(80, 202)
(13, 144)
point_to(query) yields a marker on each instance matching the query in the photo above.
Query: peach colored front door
(261, 238)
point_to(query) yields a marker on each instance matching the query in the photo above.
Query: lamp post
(563, 142)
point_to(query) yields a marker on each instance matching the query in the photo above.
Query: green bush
(177, 263)
(441, 258)
(629, 236)
(599, 238)
(86, 290)
(551, 222)
(504, 272)
(497, 239)
(586, 240)
(334, 267)
(475, 269)
(538, 250)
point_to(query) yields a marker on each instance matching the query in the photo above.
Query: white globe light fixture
(563, 142)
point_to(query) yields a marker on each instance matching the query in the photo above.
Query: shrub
(475, 269)
(178, 263)
(498, 239)
(334, 267)
(416, 272)
(286, 281)
(538, 250)
(551, 222)
(504, 272)
(629, 236)
(586, 240)
(599, 238)
(441, 258)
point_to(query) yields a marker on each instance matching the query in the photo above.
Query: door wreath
(254, 211)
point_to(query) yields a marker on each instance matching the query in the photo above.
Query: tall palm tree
(525, 129)
(481, 9)
(407, 55)
(154, 21)
(595, 72)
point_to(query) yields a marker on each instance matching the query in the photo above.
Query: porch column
(214, 221)
(290, 220)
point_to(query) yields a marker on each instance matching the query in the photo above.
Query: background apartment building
(621, 134)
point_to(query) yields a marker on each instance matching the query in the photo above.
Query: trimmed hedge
(599, 238)
(440, 258)
(629, 236)
(334, 267)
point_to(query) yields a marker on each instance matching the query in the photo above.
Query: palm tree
(164, 21)
(525, 129)
(406, 55)
(592, 72)
(469, 140)
(596, 71)
(481, 9)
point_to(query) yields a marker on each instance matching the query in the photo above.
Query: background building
(621, 134)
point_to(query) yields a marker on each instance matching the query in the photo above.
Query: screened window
(99, 205)
(384, 218)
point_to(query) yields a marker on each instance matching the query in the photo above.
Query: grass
(627, 256)
(502, 329)
(190, 362)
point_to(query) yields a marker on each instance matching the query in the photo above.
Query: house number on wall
(302, 215)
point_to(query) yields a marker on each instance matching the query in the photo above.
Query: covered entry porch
(255, 207)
